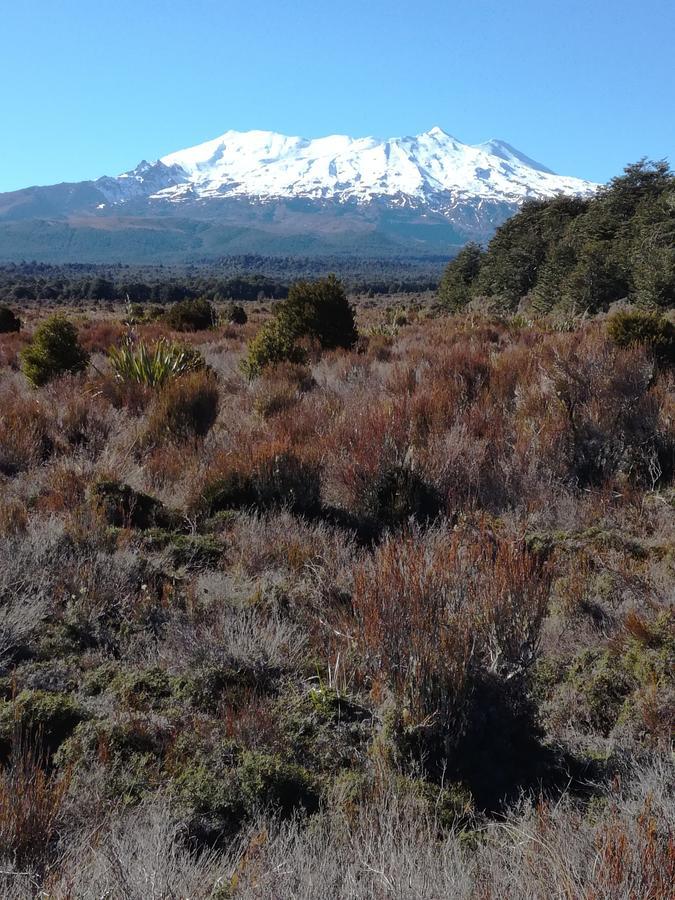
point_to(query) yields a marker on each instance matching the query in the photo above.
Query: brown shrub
(27, 434)
(11, 346)
(262, 475)
(64, 491)
(13, 516)
(185, 409)
(84, 418)
(129, 395)
(377, 346)
(31, 805)
(170, 463)
(429, 613)
(279, 388)
(634, 861)
(99, 335)
(611, 417)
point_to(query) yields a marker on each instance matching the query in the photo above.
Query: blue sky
(90, 88)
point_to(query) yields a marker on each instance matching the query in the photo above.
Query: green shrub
(133, 750)
(273, 344)
(628, 327)
(190, 315)
(194, 551)
(136, 312)
(222, 787)
(324, 728)
(54, 350)
(608, 685)
(8, 320)
(319, 310)
(234, 314)
(144, 689)
(399, 318)
(316, 310)
(40, 716)
(153, 368)
(269, 781)
(185, 409)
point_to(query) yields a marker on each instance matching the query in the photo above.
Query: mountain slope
(431, 192)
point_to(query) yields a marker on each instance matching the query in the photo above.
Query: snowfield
(432, 169)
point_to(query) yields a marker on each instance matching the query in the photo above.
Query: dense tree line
(56, 286)
(578, 255)
(232, 278)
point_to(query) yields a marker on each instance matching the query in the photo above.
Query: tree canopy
(578, 254)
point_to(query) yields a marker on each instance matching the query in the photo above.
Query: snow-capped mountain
(432, 169)
(269, 194)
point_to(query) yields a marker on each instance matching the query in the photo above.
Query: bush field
(390, 617)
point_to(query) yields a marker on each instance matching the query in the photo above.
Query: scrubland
(394, 622)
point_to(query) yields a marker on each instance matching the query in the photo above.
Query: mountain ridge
(430, 190)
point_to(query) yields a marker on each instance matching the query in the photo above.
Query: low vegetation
(385, 610)
(153, 366)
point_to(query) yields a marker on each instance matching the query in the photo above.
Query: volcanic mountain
(262, 192)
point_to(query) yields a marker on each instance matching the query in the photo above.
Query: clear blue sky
(90, 87)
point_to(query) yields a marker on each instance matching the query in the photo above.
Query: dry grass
(463, 520)
(430, 612)
(31, 810)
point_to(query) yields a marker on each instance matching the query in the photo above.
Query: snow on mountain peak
(433, 168)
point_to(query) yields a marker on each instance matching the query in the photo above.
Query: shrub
(26, 433)
(190, 315)
(98, 335)
(234, 314)
(602, 690)
(614, 423)
(124, 507)
(31, 805)
(433, 615)
(131, 748)
(223, 787)
(153, 368)
(280, 388)
(186, 408)
(269, 478)
(84, 421)
(141, 852)
(398, 494)
(8, 320)
(269, 781)
(194, 551)
(454, 291)
(628, 327)
(320, 310)
(47, 718)
(316, 310)
(273, 344)
(54, 350)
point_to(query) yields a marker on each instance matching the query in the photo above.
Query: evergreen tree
(454, 291)
(581, 255)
